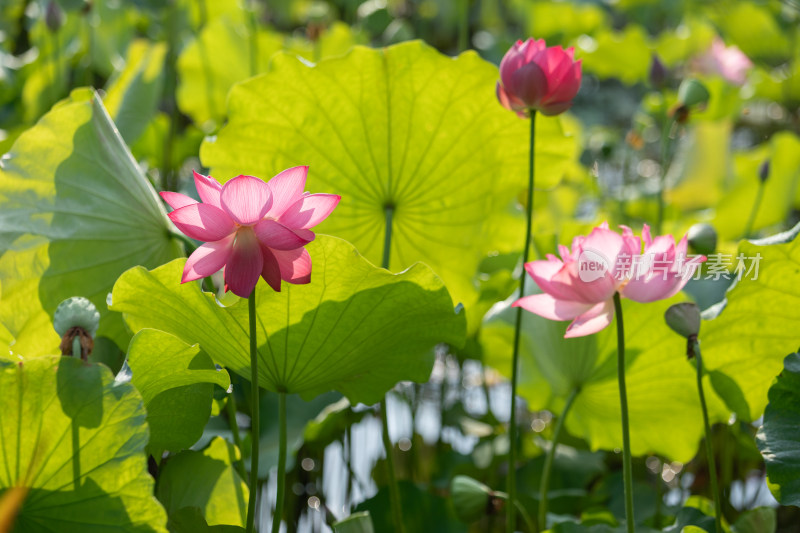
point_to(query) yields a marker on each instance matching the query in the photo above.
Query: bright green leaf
(657, 374)
(402, 127)
(779, 437)
(207, 481)
(758, 520)
(355, 328)
(177, 384)
(76, 438)
(77, 212)
(758, 325)
(133, 97)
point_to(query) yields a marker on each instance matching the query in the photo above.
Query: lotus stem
(694, 347)
(665, 146)
(751, 220)
(548, 461)
(254, 415)
(276, 518)
(511, 486)
(230, 410)
(394, 491)
(627, 473)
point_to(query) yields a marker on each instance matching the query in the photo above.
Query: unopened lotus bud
(763, 170)
(703, 238)
(658, 73)
(692, 93)
(76, 317)
(684, 319)
(471, 498)
(53, 16)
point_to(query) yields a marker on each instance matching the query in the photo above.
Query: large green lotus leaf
(355, 328)
(75, 212)
(133, 96)
(205, 480)
(755, 30)
(177, 382)
(220, 56)
(778, 438)
(76, 439)
(758, 326)
(657, 374)
(403, 127)
(733, 211)
(623, 55)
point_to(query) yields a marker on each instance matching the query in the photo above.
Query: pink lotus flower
(534, 77)
(581, 285)
(251, 228)
(729, 62)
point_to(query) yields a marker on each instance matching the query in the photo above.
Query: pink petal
(508, 101)
(246, 199)
(529, 84)
(203, 222)
(208, 189)
(309, 211)
(271, 271)
(244, 264)
(177, 200)
(592, 321)
(207, 259)
(551, 110)
(295, 265)
(275, 235)
(287, 188)
(546, 306)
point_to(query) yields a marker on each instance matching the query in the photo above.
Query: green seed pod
(684, 319)
(703, 238)
(76, 311)
(470, 498)
(693, 93)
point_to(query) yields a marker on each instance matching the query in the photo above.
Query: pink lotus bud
(534, 77)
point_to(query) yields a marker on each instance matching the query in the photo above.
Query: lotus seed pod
(693, 93)
(703, 238)
(470, 498)
(684, 319)
(76, 311)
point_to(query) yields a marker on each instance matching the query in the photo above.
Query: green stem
(394, 491)
(168, 179)
(525, 516)
(712, 467)
(665, 145)
(754, 212)
(511, 485)
(254, 415)
(276, 518)
(230, 410)
(627, 473)
(463, 25)
(548, 461)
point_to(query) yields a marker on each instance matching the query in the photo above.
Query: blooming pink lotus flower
(580, 286)
(534, 77)
(729, 62)
(251, 228)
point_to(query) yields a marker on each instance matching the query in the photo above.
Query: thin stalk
(394, 491)
(511, 485)
(56, 88)
(230, 410)
(463, 25)
(276, 518)
(525, 516)
(548, 460)
(253, 39)
(168, 179)
(254, 415)
(754, 212)
(659, 495)
(627, 473)
(665, 146)
(712, 467)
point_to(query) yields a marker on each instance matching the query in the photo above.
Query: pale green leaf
(76, 439)
(355, 328)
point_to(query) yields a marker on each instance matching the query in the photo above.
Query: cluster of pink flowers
(251, 228)
(575, 291)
